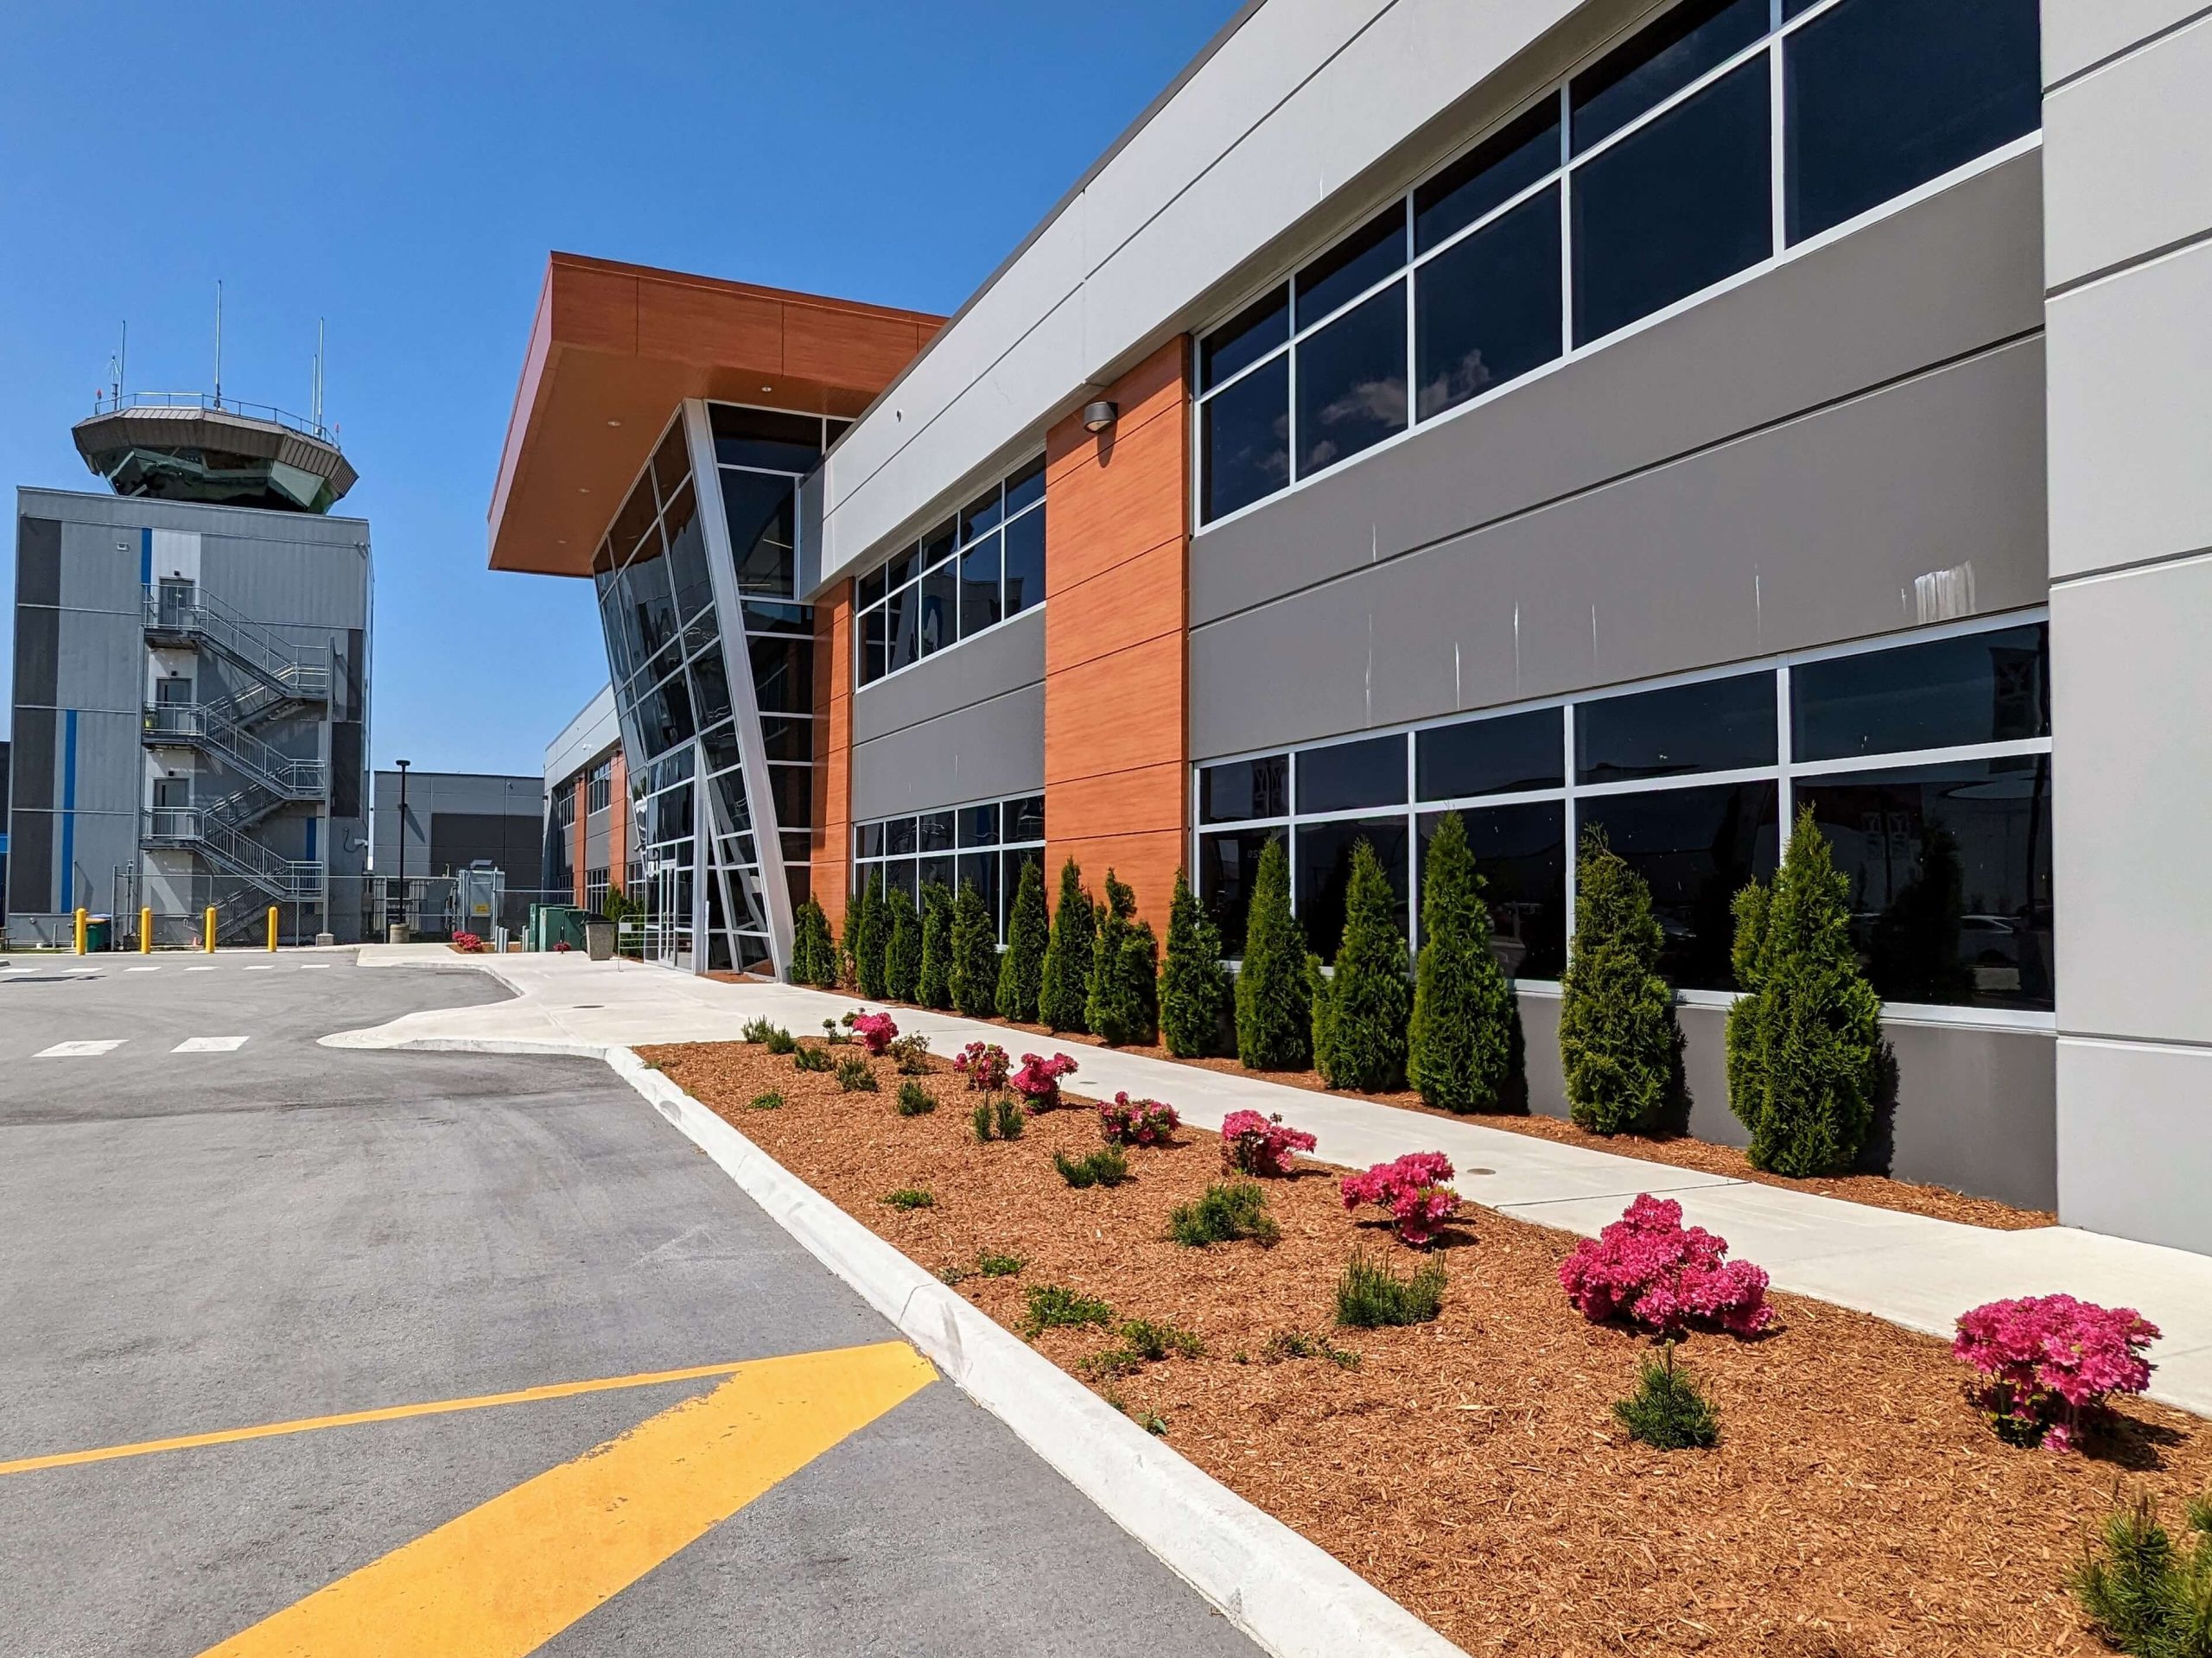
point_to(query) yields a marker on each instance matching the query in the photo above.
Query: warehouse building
(1663, 417)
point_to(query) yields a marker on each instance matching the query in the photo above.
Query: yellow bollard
(146, 932)
(272, 926)
(207, 928)
(81, 932)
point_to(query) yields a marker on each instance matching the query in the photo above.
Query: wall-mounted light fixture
(1097, 416)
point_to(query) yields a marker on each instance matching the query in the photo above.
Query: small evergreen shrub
(915, 1101)
(778, 1040)
(837, 1033)
(876, 1031)
(853, 1076)
(1064, 982)
(1153, 1342)
(1038, 1082)
(1667, 1410)
(1413, 1188)
(1193, 984)
(1052, 1307)
(1296, 1344)
(998, 1266)
(1226, 1212)
(1106, 1166)
(1650, 1269)
(1459, 1051)
(1617, 1040)
(1007, 1117)
(975, 953)
(1121, 994)
(983, 1065)
(1274, 1011)
(2049, 1364)
(910, 1053)
(2143, 1593)
(810, 1060)
(981, 1118)
(1360, 1013)
(1125, 1122)
(814, 952)
(1370, 1296)
(910, 1197)
(1805, 1042)
(756, 1029)
(902, 946)
(1028, 934)
(933, 986)
(870, 939)
(771, 1101)
(1252, 1144)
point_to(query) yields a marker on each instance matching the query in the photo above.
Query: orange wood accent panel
(833, 755)
(618, 826)
(582, 796)
(1117, 636)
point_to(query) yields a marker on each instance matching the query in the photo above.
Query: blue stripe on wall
(145, 558)
(313, 824)
(68, 808)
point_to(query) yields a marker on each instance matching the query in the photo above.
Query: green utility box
(557, 923)
(99, 932)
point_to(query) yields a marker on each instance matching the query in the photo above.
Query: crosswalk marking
(77, 1049)
(209, 1044)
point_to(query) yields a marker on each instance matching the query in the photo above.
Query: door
(176, 602)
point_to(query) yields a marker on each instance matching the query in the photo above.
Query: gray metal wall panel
(1005, 659)
(1810, 533)
(38, 562)
(99, 571)
(1943, 278)
(980, 751)
(1975, 1108)
(30, 863)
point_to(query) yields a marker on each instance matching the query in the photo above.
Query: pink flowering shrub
(562, 947)
(1252, 1144)
(1648, 1268)
(2049, 1363)
(876, 1032)
(1125, 1122)
(1038, 1082)
(983, 1064)
(467, 943)
(1412, 1190)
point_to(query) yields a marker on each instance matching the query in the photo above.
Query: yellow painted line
(352, 1419)
(508, 1575)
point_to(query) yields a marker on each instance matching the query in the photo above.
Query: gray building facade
(191, 716)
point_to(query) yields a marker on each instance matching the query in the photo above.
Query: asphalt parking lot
(218, 1231)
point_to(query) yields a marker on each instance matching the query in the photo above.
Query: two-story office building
(1670, 417)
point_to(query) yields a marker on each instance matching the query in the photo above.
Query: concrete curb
(1293, 1598)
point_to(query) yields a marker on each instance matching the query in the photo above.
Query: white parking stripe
(142, 970)
(76, 1050)
(313, 967)
(261, 967)
(209, 1044)
(200, 970)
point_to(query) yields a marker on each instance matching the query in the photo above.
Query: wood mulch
(1678, 1151)
(1472, 1468)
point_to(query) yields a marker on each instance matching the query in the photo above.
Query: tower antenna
(219, 342)
(315, 413)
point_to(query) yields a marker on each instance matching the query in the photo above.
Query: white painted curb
(1293, 1598)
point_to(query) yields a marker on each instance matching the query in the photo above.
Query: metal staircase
(183, 617)
(219, 835)
(211, 729)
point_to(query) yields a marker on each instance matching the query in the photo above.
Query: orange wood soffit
(615, 348)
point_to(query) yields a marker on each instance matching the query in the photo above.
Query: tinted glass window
(1883, 95)
(758, 509)
(651, 604)
(1025, 818)
(899, 835)
(1351, 382)
(937, 831)
(1024, 563)
(903, 569)
(761, 437)
(687, 554)
(633, 520)
(938, 545)
(1697, 848)
(711, 686)
(664, 716)
(869, 589)
(788, 740)
(940, 606)
(1321, 869)
(1984, 687)
(1347, 775)
(1026, 487)
(1227, 864)
(1011, 865)
(902, 629)
(979, 586)
(1488, 757)
(1354, 265)
(1244, 439)
(979, 825)
(762, 617)
(867, 841)
(1662, 59)
(1487, 310)
(792, 789)
(671, 462)
(783, 673)
(1243, 789)
(1949, 869)
(981, 514)
(1493, 172)
(1676, 207)
(981, 869)
(1244, 338)
(1521, 854)
(1717, 724)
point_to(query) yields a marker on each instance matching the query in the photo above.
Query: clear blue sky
(402, 169)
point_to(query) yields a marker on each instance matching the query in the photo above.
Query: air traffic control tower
(190, 684)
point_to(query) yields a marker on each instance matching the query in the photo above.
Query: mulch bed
(1678, 1151)
(1472, 1468)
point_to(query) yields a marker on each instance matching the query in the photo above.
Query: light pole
(404, 920)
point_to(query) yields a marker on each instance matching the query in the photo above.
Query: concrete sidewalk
(1918, 1273)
